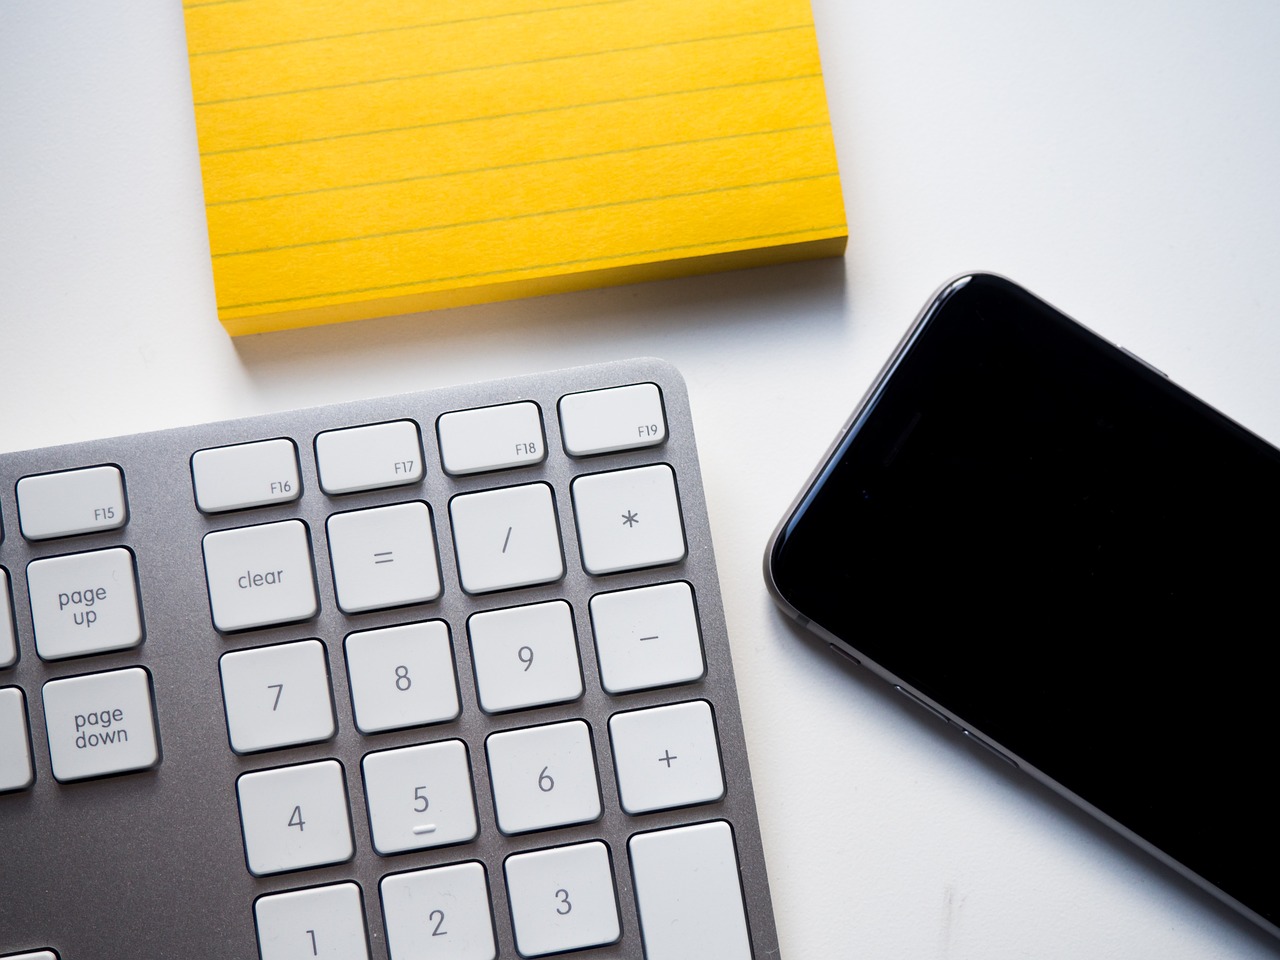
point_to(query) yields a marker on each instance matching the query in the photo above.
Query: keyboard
(441, 676)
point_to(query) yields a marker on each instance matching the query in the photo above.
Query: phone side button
(986, 746)
(916, 700)
(844, 653)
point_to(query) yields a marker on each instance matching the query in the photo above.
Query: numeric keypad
(460, 652)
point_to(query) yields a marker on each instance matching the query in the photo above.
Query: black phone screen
(1074, 557)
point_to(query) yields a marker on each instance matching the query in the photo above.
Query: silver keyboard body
(152, 864)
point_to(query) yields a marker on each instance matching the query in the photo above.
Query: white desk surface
(1121, 160)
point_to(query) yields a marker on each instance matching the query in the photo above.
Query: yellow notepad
(370, 157)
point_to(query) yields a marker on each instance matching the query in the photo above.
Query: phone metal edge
(848, 652)
(934, 303)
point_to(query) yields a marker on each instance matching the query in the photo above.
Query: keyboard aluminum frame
(152, 864)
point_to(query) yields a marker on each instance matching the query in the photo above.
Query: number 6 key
(543, 777)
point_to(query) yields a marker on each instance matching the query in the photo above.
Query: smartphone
(1047, 543)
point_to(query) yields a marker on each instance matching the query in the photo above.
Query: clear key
(259, 576)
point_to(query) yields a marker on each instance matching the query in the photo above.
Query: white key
(277, 696)
(72, 502)
(38, 955)
(525, 656)
(260, 576)
(666, 757)
(619, 418)
(324, 922)
(688, 893)
(369, 458)
(562, 899)
(439, 914)
(246, 475)
(16, 772)
(8, 636)
(506, 538)
(384, 557)
(628, 519)
(543, 777)
(491, 438)
(419, 797)
(402, 676)
(100, 724)
(647, 637)
(294, 817)
(84, 603)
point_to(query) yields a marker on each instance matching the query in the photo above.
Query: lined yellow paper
(370, 157)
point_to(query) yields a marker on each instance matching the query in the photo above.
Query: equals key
(399, 541)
